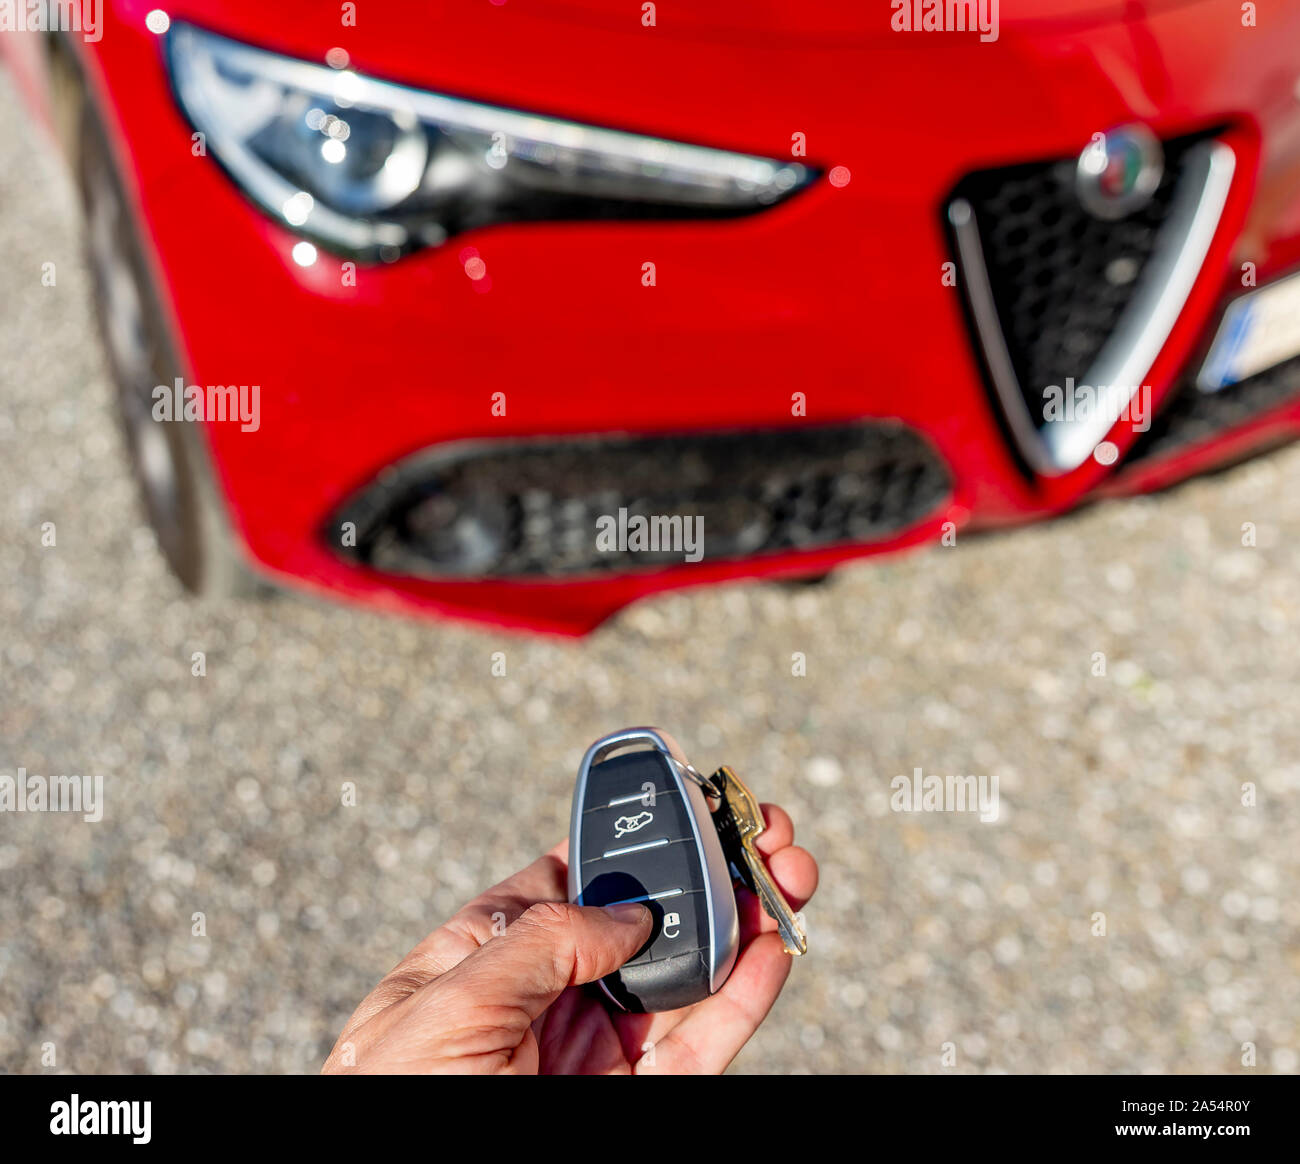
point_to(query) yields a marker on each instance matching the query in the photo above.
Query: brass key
(739, 822)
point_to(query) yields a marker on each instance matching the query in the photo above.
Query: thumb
(550, 946)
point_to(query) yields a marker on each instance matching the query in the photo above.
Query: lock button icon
(672, 925)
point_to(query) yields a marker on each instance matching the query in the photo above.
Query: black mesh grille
(531, 509)
(1191, 416)
(1061, 278)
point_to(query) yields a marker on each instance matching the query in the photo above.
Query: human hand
(474, 998)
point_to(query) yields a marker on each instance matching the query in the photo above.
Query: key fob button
(633, 778)
(625, 828)
(664, 864)
(681, 925)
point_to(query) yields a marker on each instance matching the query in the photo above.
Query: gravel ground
(1120, 794)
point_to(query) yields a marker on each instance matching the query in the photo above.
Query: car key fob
(642, 831)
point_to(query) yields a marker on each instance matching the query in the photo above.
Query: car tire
(183, 505)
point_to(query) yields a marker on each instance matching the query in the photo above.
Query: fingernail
(627, 912)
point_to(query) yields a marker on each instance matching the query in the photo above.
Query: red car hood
(855, 18)
(769, 21)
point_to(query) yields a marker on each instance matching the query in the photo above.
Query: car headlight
(373, 169)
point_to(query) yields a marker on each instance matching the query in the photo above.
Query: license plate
(1258, 331)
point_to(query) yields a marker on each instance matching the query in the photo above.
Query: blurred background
(1120, 794)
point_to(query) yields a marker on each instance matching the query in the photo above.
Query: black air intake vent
(531, 509)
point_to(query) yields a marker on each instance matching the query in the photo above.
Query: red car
(518, 311)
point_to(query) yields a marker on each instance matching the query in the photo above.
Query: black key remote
(642, 831)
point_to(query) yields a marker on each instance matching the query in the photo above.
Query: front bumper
(827, 310)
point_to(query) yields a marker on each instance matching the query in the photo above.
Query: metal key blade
(740, 822)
